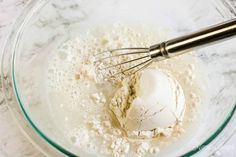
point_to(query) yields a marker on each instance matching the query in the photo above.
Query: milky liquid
(85, 121)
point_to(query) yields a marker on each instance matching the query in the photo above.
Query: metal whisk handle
(201, 38)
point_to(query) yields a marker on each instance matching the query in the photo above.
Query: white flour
(149, 103)
(79, 100)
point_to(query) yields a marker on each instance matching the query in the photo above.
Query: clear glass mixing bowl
(45, 24)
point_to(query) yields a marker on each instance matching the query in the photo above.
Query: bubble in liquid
(73, 139)
(51, 71)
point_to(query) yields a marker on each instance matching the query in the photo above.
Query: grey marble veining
(12, 142)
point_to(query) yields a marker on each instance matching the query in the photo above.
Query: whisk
(142, 57)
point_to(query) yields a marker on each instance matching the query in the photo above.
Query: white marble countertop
(12, 142)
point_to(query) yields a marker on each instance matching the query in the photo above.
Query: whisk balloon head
(122, 62)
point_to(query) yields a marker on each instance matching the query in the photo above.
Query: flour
(151, 103)
(86, 118)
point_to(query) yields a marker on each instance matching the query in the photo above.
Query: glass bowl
(46, 24)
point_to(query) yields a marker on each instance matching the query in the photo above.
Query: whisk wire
(133, 67)
(141, 52)
(137, 51)
(143, 67)
(126, 62)
(122, 49)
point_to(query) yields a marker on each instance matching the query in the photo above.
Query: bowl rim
(29, 10)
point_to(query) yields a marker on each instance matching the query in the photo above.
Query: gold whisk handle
(210, 35)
